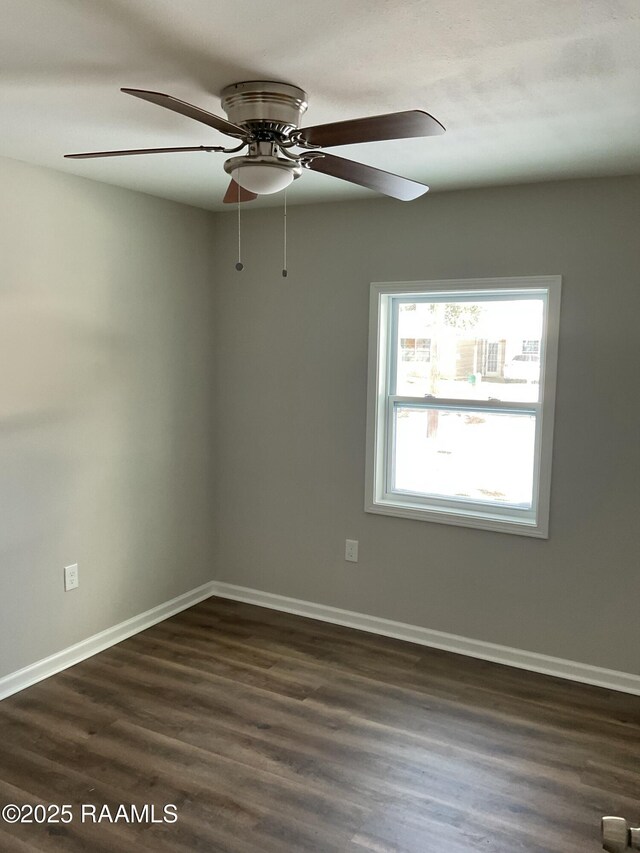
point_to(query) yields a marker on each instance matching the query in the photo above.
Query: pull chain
(284, 263)
(239, 265)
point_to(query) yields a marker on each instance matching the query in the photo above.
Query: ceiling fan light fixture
(263, 178)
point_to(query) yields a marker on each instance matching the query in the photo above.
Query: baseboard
(571, 670)
(41, 669)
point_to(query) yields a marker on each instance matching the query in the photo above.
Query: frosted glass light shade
(263, 179)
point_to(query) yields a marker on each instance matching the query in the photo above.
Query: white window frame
(380, 407)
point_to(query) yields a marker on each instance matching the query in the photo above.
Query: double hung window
(461, 398)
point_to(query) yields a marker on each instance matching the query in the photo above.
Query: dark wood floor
(277, 734)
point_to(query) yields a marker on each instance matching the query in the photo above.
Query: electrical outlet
(70, 577)
(351, 550)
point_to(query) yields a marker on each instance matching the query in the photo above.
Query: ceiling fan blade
(126, 152)
(386, 183)
(373, 129)
(236, 193)
(188, 110)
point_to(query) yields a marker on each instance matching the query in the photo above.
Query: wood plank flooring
(272, 733)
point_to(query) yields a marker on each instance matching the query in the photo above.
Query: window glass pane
(477, 456)
(469, 350)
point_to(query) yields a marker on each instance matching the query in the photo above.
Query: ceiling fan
(264, 117)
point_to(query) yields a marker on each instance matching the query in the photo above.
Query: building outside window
(415, 349)
(461, 399)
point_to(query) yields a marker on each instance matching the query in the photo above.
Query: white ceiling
(529, 90)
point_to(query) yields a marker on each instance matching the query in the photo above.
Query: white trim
(533, 661)
(41, 669)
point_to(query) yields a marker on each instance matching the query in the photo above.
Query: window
(492, 358)
(461, 398)
(415, 349)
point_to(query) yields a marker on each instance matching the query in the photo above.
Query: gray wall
(292, 363)
(107, 436)
(165, 420)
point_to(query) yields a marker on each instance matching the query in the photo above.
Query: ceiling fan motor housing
(264, 106)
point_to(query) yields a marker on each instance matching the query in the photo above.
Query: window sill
(476, 520)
